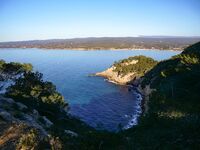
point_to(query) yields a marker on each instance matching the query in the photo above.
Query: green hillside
(173, 119)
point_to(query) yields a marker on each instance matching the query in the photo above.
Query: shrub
(36, 93)
(29, 141)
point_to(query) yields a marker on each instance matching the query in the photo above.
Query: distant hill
(142, 42)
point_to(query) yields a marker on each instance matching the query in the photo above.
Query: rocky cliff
(126, 70)
(113, 76)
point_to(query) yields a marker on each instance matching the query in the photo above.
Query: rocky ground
(22, 128)
(17, 120)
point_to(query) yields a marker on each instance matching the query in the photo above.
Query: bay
(99, 103)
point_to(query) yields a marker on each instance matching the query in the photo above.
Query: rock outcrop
(127, 70)
(24, 128)
(115, 77)
(146, 92)
(16, 112)
(16, 121)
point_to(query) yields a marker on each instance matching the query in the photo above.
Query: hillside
(171, 108)
(172, 119)
(104, 43)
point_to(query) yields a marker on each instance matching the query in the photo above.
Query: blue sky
(47, 19)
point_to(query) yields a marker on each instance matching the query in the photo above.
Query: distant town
(108, 43)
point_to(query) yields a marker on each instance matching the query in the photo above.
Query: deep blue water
(97, 102)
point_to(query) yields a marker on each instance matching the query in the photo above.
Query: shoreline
(142, 100)
(108, 49)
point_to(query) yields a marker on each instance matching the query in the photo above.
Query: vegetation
(14, 68)
(142, 65)
(29, 141)
(174, 115)
(36, 93)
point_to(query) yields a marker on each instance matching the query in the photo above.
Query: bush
(29, 141)
(14, 67)
(36, 93)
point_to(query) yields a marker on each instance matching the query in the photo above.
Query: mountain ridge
(100, 43)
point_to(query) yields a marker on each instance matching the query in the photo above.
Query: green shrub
(31, 90)
(15, 68)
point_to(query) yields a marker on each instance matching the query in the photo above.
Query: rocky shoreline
(139, 109)
(134, 85)
(115, 77)
(130, 72)
(143, 100)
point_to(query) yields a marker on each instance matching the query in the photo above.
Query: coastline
(93, 49)
(133, 79)
(142, 99)
(139, 109)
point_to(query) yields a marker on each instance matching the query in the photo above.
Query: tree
(36, 93)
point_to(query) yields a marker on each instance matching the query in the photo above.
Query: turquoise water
(99, 103)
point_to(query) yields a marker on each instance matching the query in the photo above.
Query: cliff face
(126, 70)
(113, 76)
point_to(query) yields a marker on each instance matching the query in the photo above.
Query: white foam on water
(134, 118)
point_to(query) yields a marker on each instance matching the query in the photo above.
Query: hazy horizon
(42, 20)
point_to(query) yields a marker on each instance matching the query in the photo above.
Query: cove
(99, 103)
